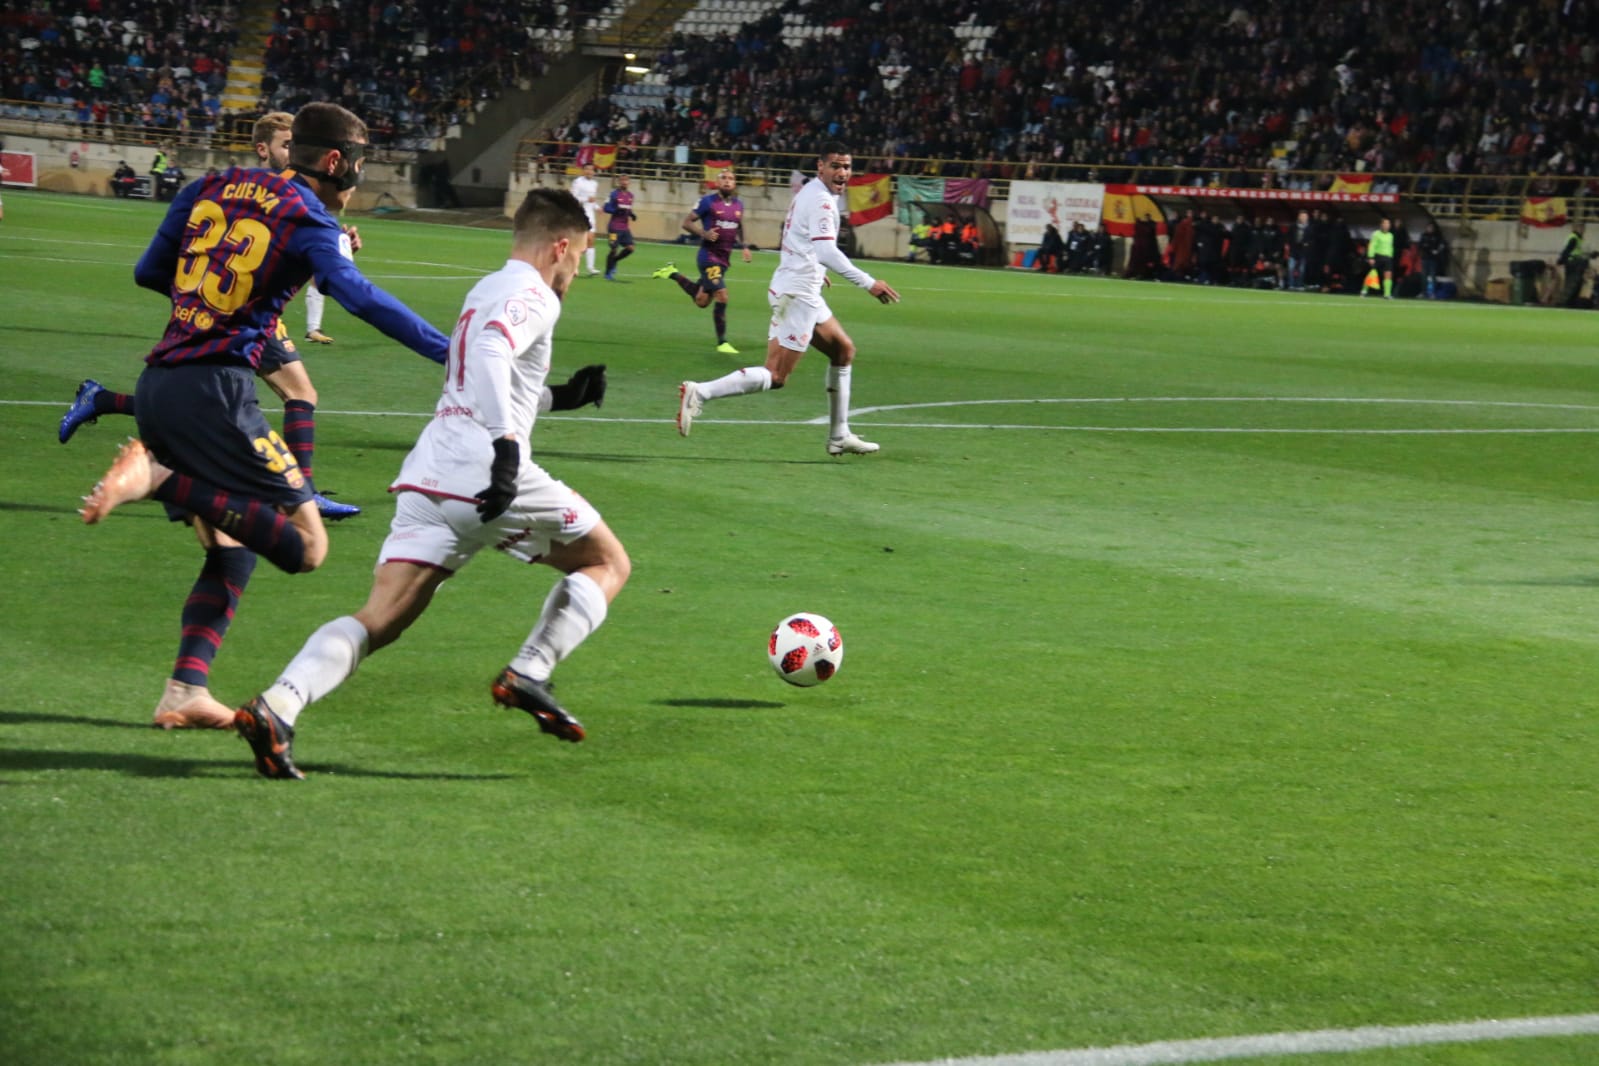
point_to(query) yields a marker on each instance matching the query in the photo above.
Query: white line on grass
(1439, 431)
(1310, 1042)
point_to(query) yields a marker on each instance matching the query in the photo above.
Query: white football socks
(314, 303)
(574, 608)
(329, 656)
(838, 401)
(739, 382)
(588, 256)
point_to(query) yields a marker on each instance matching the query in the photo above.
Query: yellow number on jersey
(228, 291)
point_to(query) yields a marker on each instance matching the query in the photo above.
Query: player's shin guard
(838, 382)
(739, 382)
(719, 316)
(256, 525)
(208, 611)
(330, 655)
(574, 608)
(299, 432)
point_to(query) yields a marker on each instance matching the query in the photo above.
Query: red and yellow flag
(1544, 211)
(1356, 183)
(713, 167)
(1122, 207)
(604, 156)
(871, 197)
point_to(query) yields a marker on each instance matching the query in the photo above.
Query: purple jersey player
(718, 221)
(231, 251)
(619, 231)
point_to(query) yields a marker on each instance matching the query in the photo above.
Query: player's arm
(610, 207)
(341, 279)
(691, 224)
(742, 243)
(828, 253)
(159, 262)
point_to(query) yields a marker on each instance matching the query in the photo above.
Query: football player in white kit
(587, 191)
(469, 484)
(800, 317)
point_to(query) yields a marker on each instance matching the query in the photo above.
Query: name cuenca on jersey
(235, 247)
(493, 384)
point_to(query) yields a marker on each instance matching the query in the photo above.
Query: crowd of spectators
(161, 66)
(1224, 92)
(411, 69)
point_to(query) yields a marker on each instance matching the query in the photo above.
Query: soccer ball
(805, 649)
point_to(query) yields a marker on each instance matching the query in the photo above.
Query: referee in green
(1380, 254)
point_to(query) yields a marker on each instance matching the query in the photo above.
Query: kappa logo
(569, 518)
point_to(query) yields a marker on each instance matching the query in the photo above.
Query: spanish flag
(713, 167)
(604, 156)
(1543, 211)
(1356, 183)
(1122, 207)
(870, 198)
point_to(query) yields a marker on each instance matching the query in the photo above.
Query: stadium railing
(1478, 197)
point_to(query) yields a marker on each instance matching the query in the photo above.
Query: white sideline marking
(1310, 1042)
(1434, 431)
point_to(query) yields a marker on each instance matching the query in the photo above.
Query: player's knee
(702, 299)
(315, 555)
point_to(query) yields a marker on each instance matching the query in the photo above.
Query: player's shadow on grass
(27, 717)
(73, 510)
(135, 764)
(724, 704)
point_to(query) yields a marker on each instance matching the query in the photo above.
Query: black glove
(493, 500)
(585, 386)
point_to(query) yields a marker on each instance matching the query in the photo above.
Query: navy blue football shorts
(203, 420)
(276, 351)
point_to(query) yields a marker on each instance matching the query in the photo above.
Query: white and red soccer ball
(805, 649)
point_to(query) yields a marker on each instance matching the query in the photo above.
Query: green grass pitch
(1218, 663)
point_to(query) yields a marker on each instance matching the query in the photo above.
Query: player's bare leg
(133, 475)
(831, 340)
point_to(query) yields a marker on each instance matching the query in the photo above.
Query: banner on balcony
(713, 167)
(870, 198)
(1355, 183)
(1543, 211)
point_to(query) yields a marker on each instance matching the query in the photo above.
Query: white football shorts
(447, 532)
(795, 318)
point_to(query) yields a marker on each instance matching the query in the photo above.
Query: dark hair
(319, 127)
(833, 148)
(548, 215)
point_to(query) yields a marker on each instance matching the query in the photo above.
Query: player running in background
(280, 366)
(470, 484)
(231, 251)
(800, 317)
(620, 229)
(587, 192)
(718, 221)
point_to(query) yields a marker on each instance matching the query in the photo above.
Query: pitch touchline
(864, 411)
(1310, 1042)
